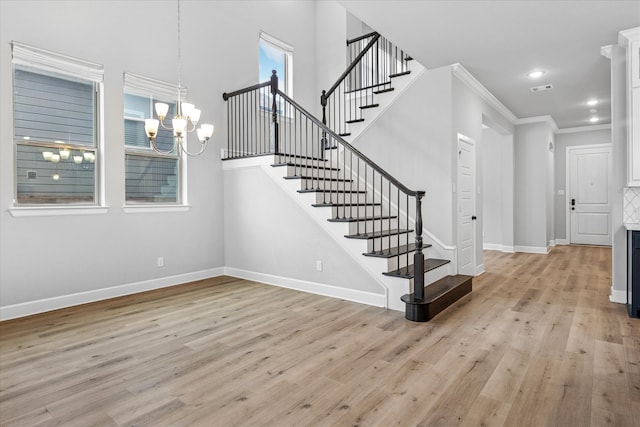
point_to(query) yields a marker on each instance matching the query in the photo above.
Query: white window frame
(47, 62)
(135, 84)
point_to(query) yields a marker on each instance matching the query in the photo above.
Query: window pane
(70, 179)
(50, 109)
(138, 108)
(271, 58)
(151, 179)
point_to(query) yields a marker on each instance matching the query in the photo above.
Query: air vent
(548, 86)
(32, 175)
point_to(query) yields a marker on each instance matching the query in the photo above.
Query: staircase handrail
(354, 63)
(362, 37)
(274, 134)
(228, 95)
(357, 152)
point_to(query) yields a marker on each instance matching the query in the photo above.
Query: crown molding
(539, 119)
(584, 128)
(467, 78)
(606, 51)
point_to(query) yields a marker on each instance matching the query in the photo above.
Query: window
(150, 177)
(275, 55)
(56, 114)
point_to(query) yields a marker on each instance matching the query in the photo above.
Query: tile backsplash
(631, 208)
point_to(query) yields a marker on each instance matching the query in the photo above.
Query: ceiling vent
(548, 86)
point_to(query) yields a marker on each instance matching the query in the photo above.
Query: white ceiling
(499, 42)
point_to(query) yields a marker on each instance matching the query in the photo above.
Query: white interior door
(466, 205)
(589, 198)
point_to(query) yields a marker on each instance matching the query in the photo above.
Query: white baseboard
(363, 297)
(533, 249)
(617, 296)
(479, 269)
(63, 301)
(562, 242)
(498, 247)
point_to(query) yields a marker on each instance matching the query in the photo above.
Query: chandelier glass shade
(185, 119)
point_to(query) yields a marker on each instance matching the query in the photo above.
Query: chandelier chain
(179, 66)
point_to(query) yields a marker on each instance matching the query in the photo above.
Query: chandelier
(185, 119)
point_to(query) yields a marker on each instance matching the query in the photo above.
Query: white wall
(412, 141)
(44, 258)
(564, 140)
(268, 233)
(497, 189)
(533, 170)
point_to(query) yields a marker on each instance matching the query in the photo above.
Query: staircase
(377, 216)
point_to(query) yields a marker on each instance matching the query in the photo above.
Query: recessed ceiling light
(592, 102)
(535, 74)
(594, 119)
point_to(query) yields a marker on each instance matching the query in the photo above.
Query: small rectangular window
(150, 177)
(274, 54)
(56, 127)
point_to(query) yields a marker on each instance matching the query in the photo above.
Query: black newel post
(418, 257)
(274, 111)
(323, 102)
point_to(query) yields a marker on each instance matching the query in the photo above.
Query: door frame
(567, 185)
(460, 138)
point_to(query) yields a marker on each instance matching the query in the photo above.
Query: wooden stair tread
(388, 89)
(403, 73)
(382, 233)
(317, 178)
(320, 190)
(373, 86)
(438, 296)
(407, 272)
(281, 164)
(367, 218)
(395, 251)
(345, 134)
(297, 156)
(354, 121)
(364, 107)
(343, 205)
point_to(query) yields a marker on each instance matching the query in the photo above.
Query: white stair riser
(301, 162)
(351, 211)
(370, 226)
(312, 172)
(403, 260)
(340, 198)
(380, 243)
(321, 184)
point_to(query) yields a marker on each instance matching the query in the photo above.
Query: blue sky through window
(271, 58)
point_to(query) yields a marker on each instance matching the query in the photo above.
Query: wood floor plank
(537, 342)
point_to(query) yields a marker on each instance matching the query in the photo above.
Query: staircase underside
(438, 296)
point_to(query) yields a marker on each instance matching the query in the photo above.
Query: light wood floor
(537, 343)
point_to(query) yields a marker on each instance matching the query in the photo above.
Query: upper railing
(373, 61)
(376, 204)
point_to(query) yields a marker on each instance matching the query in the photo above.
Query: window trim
(135, 84)
(46, 62)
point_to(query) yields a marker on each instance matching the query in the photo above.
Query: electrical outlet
(319, 265)
(160, 261)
